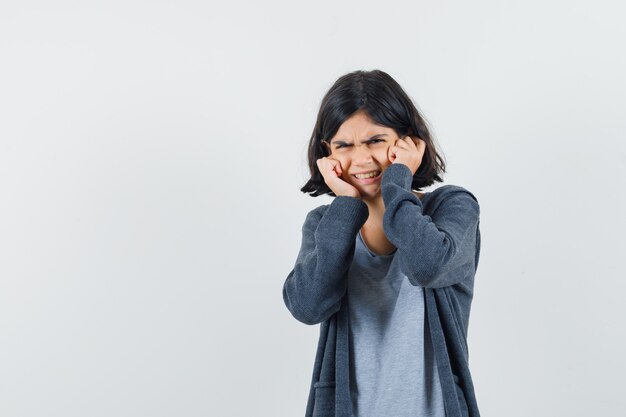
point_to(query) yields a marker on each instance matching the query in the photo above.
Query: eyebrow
(340, 142)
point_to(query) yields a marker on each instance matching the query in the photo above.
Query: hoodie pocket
(324, 405)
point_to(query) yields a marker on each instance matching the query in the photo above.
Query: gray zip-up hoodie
(438, 241)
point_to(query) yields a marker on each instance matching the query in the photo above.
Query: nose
(362, 156)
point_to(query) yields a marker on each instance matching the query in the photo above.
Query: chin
(369, 193)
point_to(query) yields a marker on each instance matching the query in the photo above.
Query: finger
(323, 165)
(420, 144)
(402, 144)
(411, 141)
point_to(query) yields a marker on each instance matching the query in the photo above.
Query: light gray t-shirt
(392, 366)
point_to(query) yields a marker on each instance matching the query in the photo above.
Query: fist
(409, 151)
(331, 170)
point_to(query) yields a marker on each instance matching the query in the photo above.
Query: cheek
(345, 162)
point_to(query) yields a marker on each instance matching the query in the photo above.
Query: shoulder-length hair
(386, 103)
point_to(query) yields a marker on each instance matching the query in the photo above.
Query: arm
(430, 248)
(313, 289)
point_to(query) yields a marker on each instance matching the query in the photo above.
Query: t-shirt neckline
(389, 255)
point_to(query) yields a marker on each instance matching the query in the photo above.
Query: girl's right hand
(331, 171)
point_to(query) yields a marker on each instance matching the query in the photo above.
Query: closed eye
(369, 141)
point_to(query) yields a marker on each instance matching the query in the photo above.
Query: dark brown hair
(386, 103)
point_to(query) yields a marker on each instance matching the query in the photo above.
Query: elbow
(308, 312)
(427, 270)
(423, 277)
(296, 309)
(303, 318)
(442, 275)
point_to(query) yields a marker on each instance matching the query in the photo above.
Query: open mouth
(374, 175)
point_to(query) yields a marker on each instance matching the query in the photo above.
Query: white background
(151, 155)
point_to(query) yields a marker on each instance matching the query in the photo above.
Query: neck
(376, 208)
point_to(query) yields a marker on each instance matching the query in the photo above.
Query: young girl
(387, 270)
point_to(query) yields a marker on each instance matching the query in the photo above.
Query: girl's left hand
(408, 151)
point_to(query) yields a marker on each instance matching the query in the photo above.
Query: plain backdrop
(151, 156)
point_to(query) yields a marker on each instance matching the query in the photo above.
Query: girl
(388, 271)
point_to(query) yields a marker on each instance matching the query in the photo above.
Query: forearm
(430, 248)
(315, 286)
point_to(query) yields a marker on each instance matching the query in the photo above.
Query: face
(361, 146)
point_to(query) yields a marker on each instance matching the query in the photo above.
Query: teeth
(368, 175)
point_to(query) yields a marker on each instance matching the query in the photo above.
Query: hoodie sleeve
(315, 286)
(435, 251)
